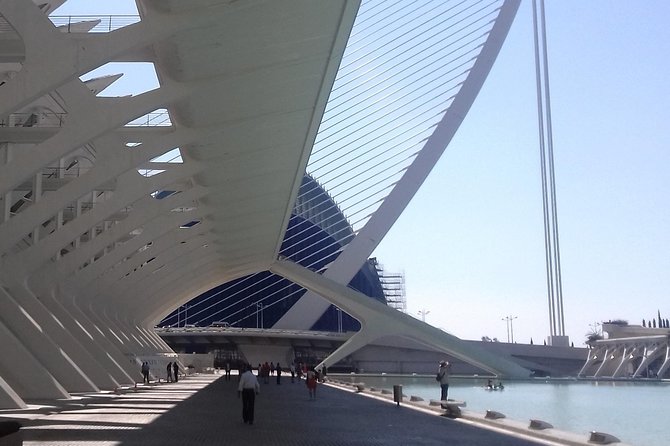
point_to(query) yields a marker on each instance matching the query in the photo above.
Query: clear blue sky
(471, 243)
(484, 259)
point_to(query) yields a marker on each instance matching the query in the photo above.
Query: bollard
(493, 415)
(602, 438)
(397, 394)
(539, 425)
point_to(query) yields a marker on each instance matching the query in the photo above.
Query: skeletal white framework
(629, 352)
(116, 210)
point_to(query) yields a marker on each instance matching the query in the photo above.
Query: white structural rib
(343, 269)
(100, 234)
(114, 211)
(379, 320)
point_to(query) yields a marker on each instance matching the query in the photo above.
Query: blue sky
(484, 259)
(471, 242)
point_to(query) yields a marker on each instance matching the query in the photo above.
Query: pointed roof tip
(98, 84)
(50, 6)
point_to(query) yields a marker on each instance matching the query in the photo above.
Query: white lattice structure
(630, 351)
(116, 210)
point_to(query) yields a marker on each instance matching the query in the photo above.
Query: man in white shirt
(248, 388)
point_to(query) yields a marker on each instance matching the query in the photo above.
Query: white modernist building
(115, 210)
(629, 351)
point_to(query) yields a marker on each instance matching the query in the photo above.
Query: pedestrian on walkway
(175, 368)
(145, 372)
(228, 371)
(311, 383)
(443, 378)
(248, 388)
(265, 373)
(292, 373)
(169, 372)
(278, 369)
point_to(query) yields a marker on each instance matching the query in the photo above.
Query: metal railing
(106, 23)
(157, 119)
(41, 119)
(56, 120)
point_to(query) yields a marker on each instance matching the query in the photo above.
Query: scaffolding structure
(393, 285)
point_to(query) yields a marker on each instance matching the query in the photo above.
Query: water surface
(635, 412)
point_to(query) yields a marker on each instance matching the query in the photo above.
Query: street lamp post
(510, 327)
(423, 314)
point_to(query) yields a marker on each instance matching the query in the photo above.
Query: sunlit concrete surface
(204, 410)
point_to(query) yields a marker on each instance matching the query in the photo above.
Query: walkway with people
(205, 410)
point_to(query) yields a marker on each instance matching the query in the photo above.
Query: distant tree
(531, 341)
(545, 342)
(619, 322)
(495, 340)
(572, 344)
(659, 319)
(644, 324)
(486, 339)
(667, 323)
(654, 322)
(593, 336)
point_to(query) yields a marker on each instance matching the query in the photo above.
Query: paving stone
(205, 410)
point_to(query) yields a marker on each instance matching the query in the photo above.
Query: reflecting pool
(635, 412)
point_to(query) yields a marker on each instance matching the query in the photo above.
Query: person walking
(145, 373)
(311, 383)
(247, 389)
(292, 373)
(443, 378)
(169, 372)
(266, 373)
(175, 368)
(228, 367)
(278, 370)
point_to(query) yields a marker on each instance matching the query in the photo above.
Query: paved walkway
(205, 410)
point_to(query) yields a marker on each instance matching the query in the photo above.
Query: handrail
(51, 120)
(107, 23)
(42, 119)
(157, 119)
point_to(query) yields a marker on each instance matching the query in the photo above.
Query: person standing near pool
(443, 378)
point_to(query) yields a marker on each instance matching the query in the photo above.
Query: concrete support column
(23, 377)
(66, 343)
(8, 398)
(594, 355)
(606, 361)
(626, 357)
(666, 362)
(88, 340)
(42, 344)
(651, 352)
(107, 348)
